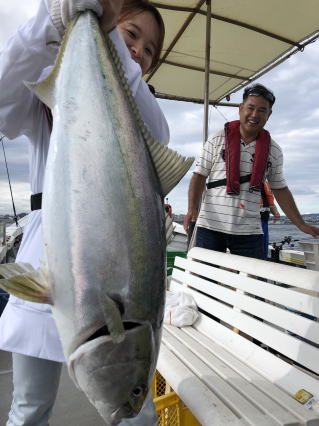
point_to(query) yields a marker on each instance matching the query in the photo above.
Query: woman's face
(141, 34)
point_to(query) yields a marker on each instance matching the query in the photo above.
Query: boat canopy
(245, 40)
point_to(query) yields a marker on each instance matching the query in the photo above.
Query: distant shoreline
(9, 219)
(312, 218)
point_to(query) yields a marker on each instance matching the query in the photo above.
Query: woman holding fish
(27, 329)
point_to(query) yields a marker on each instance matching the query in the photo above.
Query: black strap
(36, 201)
(152, 89)
(222, 182)
(264, 196)
(264, 215)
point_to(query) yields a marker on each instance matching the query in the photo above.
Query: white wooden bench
(245, 358)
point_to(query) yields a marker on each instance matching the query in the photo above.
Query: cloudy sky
(294, 124)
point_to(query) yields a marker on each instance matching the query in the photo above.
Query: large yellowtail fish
(103, 225)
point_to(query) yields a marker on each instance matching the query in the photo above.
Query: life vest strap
(222, 182)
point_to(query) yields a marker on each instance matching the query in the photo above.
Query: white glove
(62, 11)
(69, 8)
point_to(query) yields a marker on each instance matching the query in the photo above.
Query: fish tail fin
(23, 281)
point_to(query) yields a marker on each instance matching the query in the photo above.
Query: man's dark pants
(242, 245)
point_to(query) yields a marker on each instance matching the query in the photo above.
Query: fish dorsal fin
(45, 89)
(25, 282)
(169, 165)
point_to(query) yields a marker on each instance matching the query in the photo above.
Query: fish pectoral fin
(25, 282)
(113, 320)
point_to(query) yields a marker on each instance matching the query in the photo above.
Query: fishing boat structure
(10, 238)
(178, 241)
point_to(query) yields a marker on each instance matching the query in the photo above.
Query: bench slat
(278, 371)
(203, 403)
(283, 318)
(276, 339)
(230, 375)
(285, 274)
(236, 401)
(266, 386)
(293, 299)
(251, 375)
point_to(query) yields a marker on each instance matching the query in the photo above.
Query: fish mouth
(103, 336)
(115, 377)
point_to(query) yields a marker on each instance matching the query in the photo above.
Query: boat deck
(71, 408)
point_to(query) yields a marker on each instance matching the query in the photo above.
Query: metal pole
(193, 227)
(207, 69)
(5, 160)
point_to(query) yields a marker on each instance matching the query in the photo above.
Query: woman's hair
(134, 7)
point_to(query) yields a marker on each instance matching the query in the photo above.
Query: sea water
(278, 232)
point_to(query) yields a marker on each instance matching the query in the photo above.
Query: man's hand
(190, 217)
(288, 206)
(195, 191)
(309, 229)
(275, 213)
(168, 209)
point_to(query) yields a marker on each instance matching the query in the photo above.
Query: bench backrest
(277, 305)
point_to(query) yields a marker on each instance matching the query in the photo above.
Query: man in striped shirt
(230, 218)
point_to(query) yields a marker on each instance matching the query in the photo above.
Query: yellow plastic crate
(170, 408)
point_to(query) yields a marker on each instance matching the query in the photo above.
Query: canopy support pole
(207, 69)
(193, 229)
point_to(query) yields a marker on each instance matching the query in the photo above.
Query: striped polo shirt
(234, 214)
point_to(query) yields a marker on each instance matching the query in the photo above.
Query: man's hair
(134, 7)
(259, 90)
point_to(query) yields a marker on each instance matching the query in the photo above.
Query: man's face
(253, 115)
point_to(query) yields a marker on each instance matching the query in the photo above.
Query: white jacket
(25, 327)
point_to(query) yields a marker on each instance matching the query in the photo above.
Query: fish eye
(138, 391)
